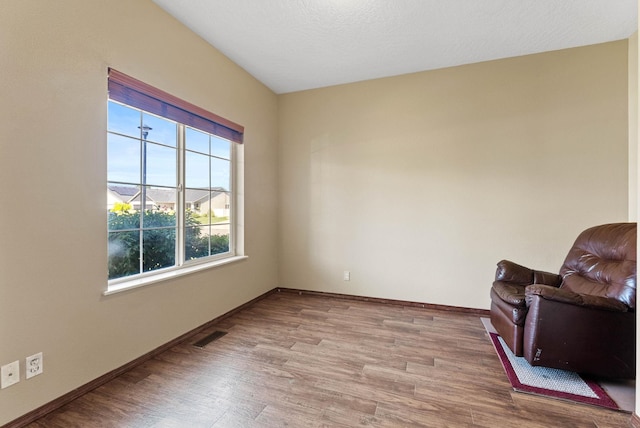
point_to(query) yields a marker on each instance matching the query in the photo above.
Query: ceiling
(293, 45)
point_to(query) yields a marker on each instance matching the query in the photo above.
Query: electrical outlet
(33, 365)
(346, 275)
(9, 374)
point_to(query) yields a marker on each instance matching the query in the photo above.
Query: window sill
(175, 273)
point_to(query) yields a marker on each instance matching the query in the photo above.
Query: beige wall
(416, 184)
(419, 184)
(53, 61)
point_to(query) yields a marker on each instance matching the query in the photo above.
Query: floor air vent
(209, 338)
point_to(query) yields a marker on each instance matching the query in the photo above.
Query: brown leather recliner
(583, 319)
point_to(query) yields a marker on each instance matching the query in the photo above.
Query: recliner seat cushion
(515, 314)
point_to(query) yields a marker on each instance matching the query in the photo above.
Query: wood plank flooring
(294, 360)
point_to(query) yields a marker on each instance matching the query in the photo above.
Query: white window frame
(183, 266)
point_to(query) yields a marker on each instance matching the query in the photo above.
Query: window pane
(119, 197)
(220, 238)
(196, 242)
(220, 174)
(160, 130)
(158, 248)
(220, 205)
(197, 207)
(123, 219)
(154, 215)
(124, 120)
(196, 170)
(220, 147)
(203, 241)
(136, 203)
(196, 140)
(123, 159)
(161, 165)
(163, 200)
(124, 254)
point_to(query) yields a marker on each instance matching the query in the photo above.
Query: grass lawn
(204, 219)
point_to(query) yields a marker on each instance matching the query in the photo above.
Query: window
(170, 188)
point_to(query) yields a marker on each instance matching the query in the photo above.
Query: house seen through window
(170, 199)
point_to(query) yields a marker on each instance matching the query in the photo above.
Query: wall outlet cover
(9, 374)
(33, 365)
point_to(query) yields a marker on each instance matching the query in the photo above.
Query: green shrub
(159, 241)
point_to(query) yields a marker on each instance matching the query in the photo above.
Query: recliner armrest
(566, 296)
(514, 273)
(547, 278)
(511, 272)
(511, 293)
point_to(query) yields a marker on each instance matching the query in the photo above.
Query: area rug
(554, 383)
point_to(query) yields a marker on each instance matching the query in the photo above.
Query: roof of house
(164, 195)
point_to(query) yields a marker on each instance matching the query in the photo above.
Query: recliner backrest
(602, 262)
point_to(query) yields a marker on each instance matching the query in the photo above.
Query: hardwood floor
(312, 361)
